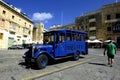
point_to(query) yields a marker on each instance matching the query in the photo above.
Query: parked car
(26, 46)
(16, 47)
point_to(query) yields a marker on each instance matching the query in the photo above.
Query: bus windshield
(48, 38)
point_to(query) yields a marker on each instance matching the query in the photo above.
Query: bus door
(60, 48)
(70, 43)
(83, 43)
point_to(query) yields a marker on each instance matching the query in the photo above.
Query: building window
(29, 32)
(92, 24)
(13, 17)
(29, 26)
(92, 33)
(108, 17)
(2, 22)
(117, 16)
(18, 36)
(25, 23)
(116, 28)
(91, 17)
(13, 33)
(86, 28)
(18, 29)
(4, 12)
(25, 30)
(13, 26)
(109, 29)
(25, 36)
(20, 20)
(1, 35)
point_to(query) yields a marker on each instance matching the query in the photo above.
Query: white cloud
(42, 16)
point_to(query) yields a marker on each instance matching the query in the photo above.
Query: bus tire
(42, 61)
(76, 55)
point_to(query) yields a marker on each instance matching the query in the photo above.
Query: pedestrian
(111, 51)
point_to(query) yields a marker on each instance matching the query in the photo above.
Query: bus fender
(42, 52)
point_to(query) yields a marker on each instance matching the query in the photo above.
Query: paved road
(89, 67)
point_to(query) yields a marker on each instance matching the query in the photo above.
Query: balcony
(92, 20)
(92, 37)
(109, 32)
(92, 28)
(12, 29)
(112, 20)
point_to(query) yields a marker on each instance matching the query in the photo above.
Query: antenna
(61, 18)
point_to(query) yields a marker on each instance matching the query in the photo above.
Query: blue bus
(57, 44)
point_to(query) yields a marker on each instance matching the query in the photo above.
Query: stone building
(38, 31)
(90, 23)
(111, 21)
(102, 24)
(15, 27)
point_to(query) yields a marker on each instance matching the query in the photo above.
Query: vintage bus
(57, 44)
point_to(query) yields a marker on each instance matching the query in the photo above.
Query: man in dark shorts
(111, 51)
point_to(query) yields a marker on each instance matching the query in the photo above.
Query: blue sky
(57, 12)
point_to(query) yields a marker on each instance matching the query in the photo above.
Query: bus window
(68, 37)
(78, 38)
(56, 38)
(62, 37)
(48, 38)
(74, 37)
(82, 38)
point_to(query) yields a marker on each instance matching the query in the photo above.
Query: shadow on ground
(98, 64)
(53, 62)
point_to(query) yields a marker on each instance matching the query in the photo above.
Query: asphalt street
(90, 67)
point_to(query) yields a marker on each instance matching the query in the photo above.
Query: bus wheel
(42, 61)
(76, 56)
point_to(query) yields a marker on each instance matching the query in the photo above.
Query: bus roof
(67, 30)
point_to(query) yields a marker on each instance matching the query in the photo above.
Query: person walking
(111, 51)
